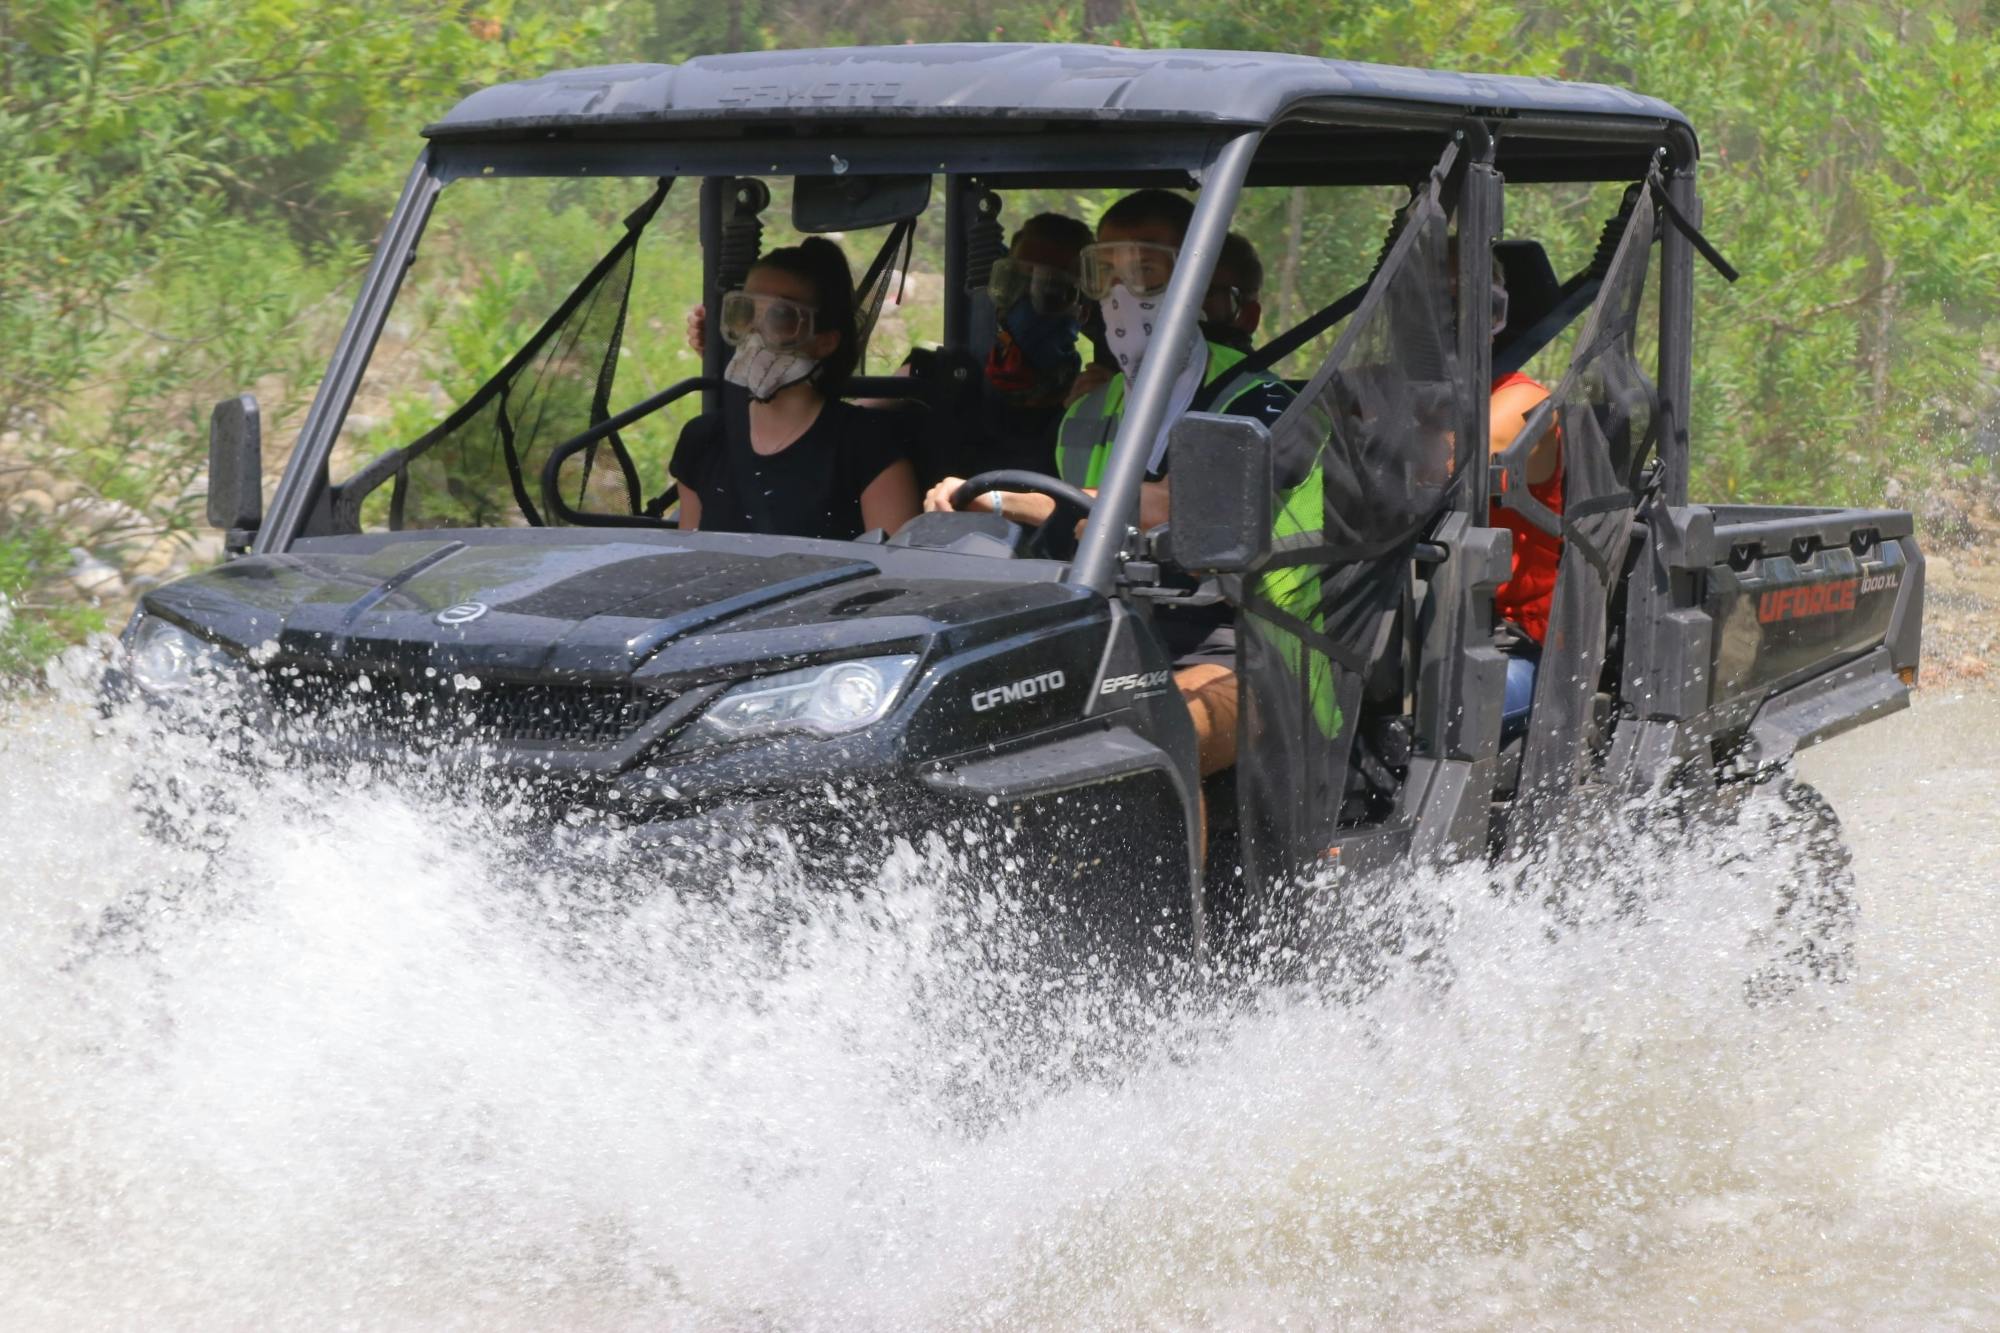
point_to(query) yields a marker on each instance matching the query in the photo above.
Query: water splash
(362, 1054)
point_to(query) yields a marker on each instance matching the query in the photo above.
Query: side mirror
(1223, 494)
(236, 469)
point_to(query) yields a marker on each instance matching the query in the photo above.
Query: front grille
(457, 708)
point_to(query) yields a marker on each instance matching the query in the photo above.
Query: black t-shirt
(810, 488)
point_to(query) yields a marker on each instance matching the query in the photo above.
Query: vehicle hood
(581, 609)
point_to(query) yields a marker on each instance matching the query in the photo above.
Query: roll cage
(1218, 121)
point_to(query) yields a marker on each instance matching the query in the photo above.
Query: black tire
(1811, 939)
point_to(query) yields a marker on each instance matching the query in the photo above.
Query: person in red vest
(1522, 602)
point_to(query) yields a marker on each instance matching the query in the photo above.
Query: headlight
(827, 700)
(165, 659)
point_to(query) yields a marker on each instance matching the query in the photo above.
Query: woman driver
(809, 465)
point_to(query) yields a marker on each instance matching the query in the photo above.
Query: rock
(36, 501)
(203, 551)
(92, 577)
(920, 288)
(102, 515)
(1969, 667)
(157, 561)
(360, 423)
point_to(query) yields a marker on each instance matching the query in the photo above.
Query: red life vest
(1524, 598)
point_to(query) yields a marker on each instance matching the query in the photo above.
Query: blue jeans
(1522, 664)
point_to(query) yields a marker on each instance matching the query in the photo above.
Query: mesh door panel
(1366, 459)
(482, 466)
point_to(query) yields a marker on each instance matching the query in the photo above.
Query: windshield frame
(303, 495)
(1109, 157)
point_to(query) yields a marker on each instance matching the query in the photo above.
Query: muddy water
(354, 1056)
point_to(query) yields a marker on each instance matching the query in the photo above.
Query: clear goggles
(1050, 290)
(1143, 267)
(784, 323)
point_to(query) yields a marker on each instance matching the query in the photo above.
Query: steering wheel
(1055, 539)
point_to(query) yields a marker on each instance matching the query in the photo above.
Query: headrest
(1532, 285)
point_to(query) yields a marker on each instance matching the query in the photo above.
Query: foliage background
(188, 190)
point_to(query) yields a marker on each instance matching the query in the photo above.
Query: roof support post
(1479, 219)
(958, 191)
(305, 481)
(1097, 554)
(1676, 377)
(715, 192)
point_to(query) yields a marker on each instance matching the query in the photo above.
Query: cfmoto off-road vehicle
(496, 591)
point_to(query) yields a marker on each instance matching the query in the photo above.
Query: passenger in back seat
(1010, 417)
(1522, 602)
(1233, 308)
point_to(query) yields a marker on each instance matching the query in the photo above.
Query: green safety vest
(1083, 442)
(1295, 589)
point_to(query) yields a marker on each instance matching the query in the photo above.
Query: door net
(482, 465)
(1605, 412)
(1366, 459)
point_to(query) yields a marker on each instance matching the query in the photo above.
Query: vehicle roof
(1004, 83)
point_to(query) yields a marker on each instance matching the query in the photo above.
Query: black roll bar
(306, 480)
(1676, 368)
(1480, 203)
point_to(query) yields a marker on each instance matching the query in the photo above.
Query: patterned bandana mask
(1128, 327)
(762, 371)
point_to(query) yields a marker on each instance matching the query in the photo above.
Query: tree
(186, 183)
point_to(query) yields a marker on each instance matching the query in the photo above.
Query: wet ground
(355, 1059)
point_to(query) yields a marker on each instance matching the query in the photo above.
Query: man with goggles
(1126, 271)
(1230, 314)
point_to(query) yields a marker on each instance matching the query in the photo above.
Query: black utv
(494, 591)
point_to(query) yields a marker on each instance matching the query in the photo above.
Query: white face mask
(1128, 326)
(763, 371)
